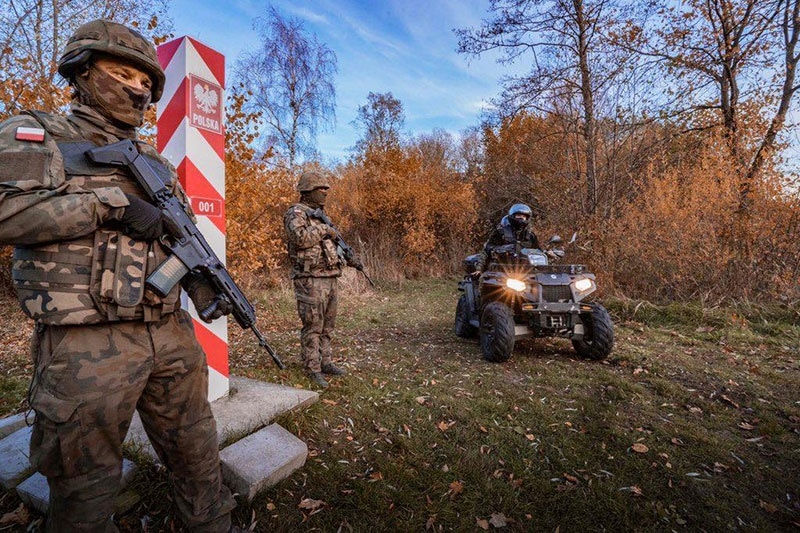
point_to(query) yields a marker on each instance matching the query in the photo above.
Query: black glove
(143, 221)
(208, 303)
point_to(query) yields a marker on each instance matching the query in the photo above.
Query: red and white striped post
(191, 136)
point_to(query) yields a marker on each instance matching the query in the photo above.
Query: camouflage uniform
(316, 268)
(103, 345)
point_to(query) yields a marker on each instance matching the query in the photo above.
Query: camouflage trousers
(88, 382)
(317, 302)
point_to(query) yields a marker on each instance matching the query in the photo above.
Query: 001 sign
(208, 207)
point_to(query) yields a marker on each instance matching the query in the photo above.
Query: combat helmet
(114, 39)
(312, 180)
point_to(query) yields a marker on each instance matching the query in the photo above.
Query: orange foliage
(256, 199)
(407, 209)
(683, 237)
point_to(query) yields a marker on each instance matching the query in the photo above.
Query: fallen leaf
(444, 426)
(571, 479)
(639, 447)
(310, 504)
(677, 442)
(482, 523)
(420, 400)
(456, 487)
(430, 522)
(746, 426)
(270, 506)
(768, 507)
(329, 402)
(728, 400)
(530, 437)
(498, 520)
(483, 429)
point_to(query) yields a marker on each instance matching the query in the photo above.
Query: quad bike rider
(521, 295)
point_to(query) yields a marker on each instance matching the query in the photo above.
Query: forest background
(656, 131)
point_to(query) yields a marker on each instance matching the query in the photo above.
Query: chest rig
(98, 277)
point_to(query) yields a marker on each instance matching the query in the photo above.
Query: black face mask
(519, 223)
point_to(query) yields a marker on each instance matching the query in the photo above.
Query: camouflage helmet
(114, 39)
(312, 180)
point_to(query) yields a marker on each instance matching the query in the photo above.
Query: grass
(692, 423)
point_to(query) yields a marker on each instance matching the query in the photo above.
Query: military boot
(318, 378)
(333, 370)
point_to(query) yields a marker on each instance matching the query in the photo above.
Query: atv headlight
(583, 285)
(515, 284)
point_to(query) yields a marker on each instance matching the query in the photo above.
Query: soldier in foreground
(104, 345)
(316, 267)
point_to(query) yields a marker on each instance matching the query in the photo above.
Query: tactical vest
(99, 277)
(320, 260)
(510, 236)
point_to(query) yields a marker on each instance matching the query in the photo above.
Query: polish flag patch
(30, 134)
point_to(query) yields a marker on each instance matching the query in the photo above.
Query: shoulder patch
(29, 134)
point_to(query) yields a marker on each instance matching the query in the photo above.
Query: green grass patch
(692, 423)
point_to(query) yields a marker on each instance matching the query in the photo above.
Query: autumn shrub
(683, 236)
(406, 209)
(257, 196)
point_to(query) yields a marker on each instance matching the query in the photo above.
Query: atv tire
(497, 332)
(463, 313)
(598, 337)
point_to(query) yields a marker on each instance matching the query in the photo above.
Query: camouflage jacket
(310, 253)
(71, 264)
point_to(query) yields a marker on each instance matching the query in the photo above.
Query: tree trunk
(791, 32)
(589, 127)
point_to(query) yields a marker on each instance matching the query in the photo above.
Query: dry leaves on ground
(498, 520)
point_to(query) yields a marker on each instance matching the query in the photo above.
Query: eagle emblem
(206, 98)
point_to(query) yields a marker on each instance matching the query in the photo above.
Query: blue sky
(403, 46)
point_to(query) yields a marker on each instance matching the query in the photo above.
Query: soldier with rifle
(317, 254)
(103, 241)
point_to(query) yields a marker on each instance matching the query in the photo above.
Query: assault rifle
(344, 250)
(190, 250)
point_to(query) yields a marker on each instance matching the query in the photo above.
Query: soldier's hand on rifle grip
(143, 221)
(208, 303)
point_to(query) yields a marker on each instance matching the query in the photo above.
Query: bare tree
(790, 32)
(563, 40)
(290, 80)
(381, 119)
(33, 34)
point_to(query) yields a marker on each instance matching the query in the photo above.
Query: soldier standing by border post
(316, 267)
(104, 345)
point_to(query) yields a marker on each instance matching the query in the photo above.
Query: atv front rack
(561, 269)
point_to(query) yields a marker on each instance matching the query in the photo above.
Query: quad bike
(521, 295)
